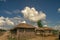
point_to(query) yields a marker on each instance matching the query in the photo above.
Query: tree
(39, 23)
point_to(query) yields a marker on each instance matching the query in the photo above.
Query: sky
(12, 9)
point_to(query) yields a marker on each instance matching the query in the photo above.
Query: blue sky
(12, 8)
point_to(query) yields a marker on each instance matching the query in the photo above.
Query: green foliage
(39, 23)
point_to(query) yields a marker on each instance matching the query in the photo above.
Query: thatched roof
(23, 25)
(39, 28)
(44, 28)
(47, 28)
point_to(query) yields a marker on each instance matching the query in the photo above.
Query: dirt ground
(36, 38)
(44, 38)
(4, 37)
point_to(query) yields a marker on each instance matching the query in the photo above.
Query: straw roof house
(24, 25)
(24, 30)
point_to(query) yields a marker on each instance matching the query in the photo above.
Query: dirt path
(44, 38)
(4, 36)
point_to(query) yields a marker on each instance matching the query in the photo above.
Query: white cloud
(32, 14)
(17, 20)
(57, 27)
(45, 25)
(2, 17)
(16, 11)
(12, 12)
(4, 20)
(10, 22)
(23, 22)
(58, 9)
(8, 12)
(44, 21)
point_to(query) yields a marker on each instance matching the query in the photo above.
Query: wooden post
(24, 34)
(17, 34)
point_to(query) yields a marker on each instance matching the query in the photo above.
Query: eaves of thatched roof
(44, 28)
(23, 25)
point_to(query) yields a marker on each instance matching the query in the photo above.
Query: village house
(44, 31)
(39, 31)
(48, 31)
(23, 30)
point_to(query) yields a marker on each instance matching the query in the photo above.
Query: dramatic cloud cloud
(2, 22)
(58, 9)
(8, 23)
(5, 20)
(32, 14)
(17, 20)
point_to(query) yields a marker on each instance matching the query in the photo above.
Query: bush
(39, 23)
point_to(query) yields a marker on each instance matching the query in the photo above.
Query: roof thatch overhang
(23, 25)
(44, 28)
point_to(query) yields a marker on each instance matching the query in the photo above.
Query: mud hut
(23, 30)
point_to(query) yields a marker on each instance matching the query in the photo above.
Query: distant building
(45, 31)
